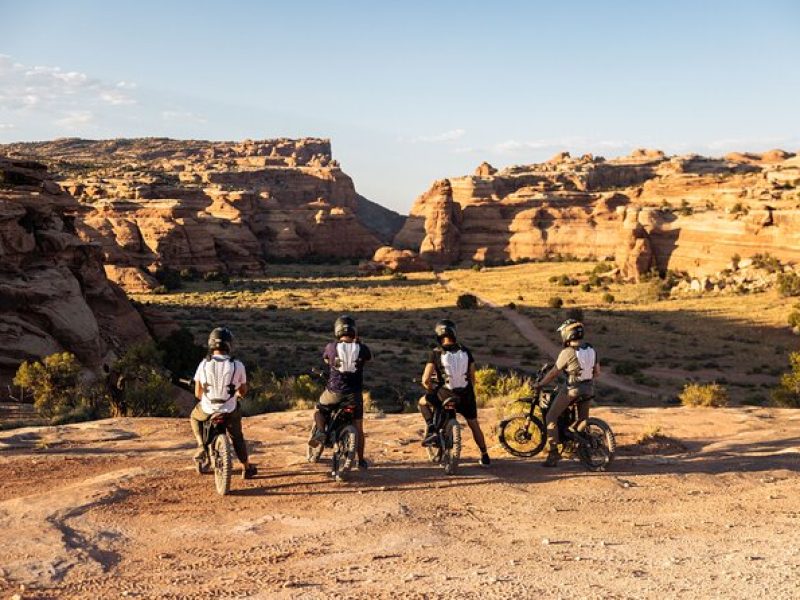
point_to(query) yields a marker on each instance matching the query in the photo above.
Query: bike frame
(340, 417)
(441, 415)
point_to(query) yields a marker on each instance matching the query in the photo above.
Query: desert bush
(143, 385)
(608, 298)
(708, 394)
(179, 353)
(58, 393)
(789, 284)
(794, 317)
(739, 209)
(627, 367)
(211, 276)
(169, 278)
(686, 210)
(767, 262)
(271, 393)
(189, 274)
(787, 394)
(566, 280)
(467, 301)
(492, 387)
(649, 434)
(555, 302)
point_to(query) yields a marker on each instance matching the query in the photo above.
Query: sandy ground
(113, 509)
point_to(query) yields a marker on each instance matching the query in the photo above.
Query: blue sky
(409, 92)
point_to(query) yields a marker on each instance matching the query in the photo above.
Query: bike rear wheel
(522, 436)
(222, 464)
(597, 452)
(452, 449)
(344, 452)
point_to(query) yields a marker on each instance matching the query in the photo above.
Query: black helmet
(445, 328)
(221, 339)
(345, 325)
(571, 330)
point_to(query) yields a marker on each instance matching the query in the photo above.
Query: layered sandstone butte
(212, 206)
(54, 294)
(648, 210)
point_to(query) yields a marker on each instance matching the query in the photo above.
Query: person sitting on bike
(345, 358)
(220, 378)
(450, 372)
(579, 360)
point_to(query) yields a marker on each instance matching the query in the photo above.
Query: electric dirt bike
(218, 452)
(444, 445)
(340, 434)
(525, 435)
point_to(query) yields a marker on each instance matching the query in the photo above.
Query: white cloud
(6, 126)
(511, 147)
(439, 138)
(76, 120)
(64, 97)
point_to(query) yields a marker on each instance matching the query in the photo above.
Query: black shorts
(466, 405)
(329, 401)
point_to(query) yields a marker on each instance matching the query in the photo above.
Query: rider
(579, 360)
(449, 372)
(219, 383)
(345, 358)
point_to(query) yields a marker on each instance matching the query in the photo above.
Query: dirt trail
(713, 514)
(544, 342)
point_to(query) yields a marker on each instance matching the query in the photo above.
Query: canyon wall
(647, 210)
(54, 294)
(212, 206)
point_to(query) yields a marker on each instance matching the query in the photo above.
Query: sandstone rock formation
(401, 261)
(212, 206)
(688, 213)
(54, 294)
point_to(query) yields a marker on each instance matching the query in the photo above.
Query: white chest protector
(347, 354)
(456, 368)
(219, 374)
(587, 358)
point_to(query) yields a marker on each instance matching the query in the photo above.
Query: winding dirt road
(544, 342)
(113, 509)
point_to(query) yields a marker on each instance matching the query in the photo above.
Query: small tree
(789, 284)
(55, 385)
(467, 301)
(555, 302)
(787, 394)
(143, 385)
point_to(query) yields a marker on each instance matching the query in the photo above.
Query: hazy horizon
(408, 93)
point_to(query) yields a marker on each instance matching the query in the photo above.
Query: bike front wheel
(522, 435)
(345, 451)
(599, 445)
(452, 446)
(222, 464)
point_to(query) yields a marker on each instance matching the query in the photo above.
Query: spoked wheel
(344, 452)
(522, 436)
(313, 454)
(222, 464)
(598, 453)
(452, 449)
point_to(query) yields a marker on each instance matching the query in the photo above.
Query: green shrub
(143, 384)
(169, 278)
(189, 274)
(608, 298)
(767, 262)
(708, 394)
(626, 367)
(789, 284)
(685, 209)
(211, 276)
(59, 393)
(787, 394)
(492, 387)
(794, 317)
(555, 302)
(467, 301)
(179, 353)
(271, 393)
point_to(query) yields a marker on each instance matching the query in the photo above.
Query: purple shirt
(346, 366)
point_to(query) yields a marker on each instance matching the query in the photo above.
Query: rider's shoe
(363, 464)
(249, 471)
(200, 455)
(317, 439)
(430, 436)
(485, 461)
(552, 458)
